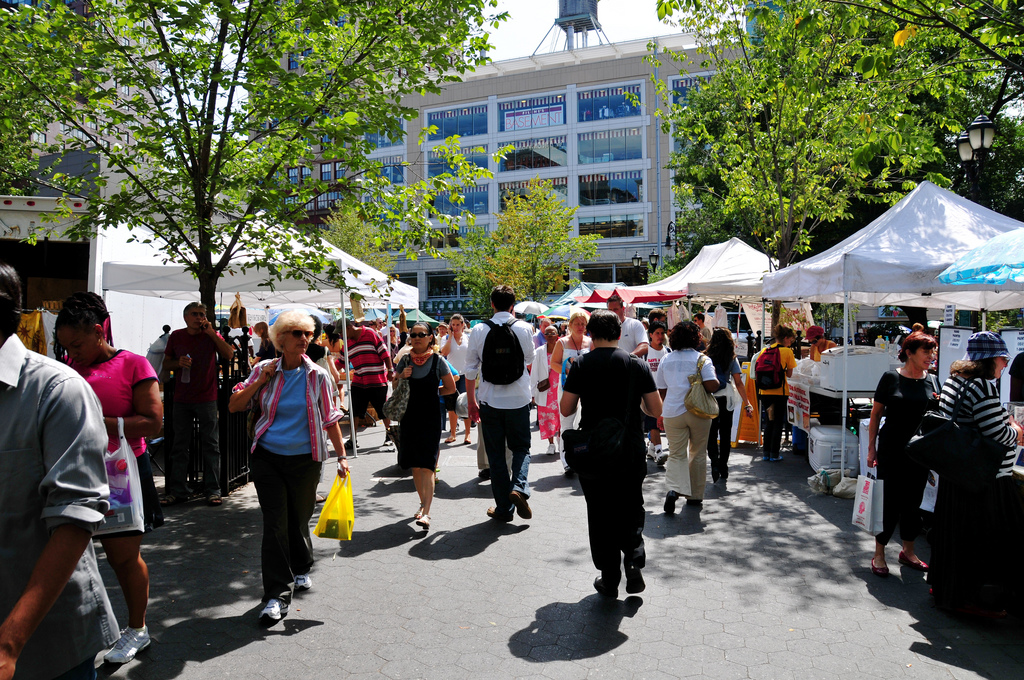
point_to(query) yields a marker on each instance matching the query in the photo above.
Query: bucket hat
(986, 345)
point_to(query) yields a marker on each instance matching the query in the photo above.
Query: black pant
(901, 495)
(773, 426)
(720, 438)
(615, 517)
(286, 488)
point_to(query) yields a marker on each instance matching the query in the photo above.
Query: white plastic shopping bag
(931, 492)
(125, 513)
(867, 505)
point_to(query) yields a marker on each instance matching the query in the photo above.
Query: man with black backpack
(499, 351)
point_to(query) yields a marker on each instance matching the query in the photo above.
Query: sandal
(466, 441)
(419, 513)
(424, 521)
(214, 499)
(450, 439)
(169, 500)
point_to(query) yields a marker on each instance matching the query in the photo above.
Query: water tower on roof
(577, 19)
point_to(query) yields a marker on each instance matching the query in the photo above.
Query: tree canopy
(531, 249)
(209, 115)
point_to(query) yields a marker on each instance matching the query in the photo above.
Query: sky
(530, 20)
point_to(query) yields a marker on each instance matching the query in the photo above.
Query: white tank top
(457, 353)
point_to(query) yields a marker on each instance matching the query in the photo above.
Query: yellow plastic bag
(337, 514)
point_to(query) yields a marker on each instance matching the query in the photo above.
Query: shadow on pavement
(465, 542)
(574, 630)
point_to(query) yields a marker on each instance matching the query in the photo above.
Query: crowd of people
(605, 391)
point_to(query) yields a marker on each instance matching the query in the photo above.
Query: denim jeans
(209, 446)
(509, 427)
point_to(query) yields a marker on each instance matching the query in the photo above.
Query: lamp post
(637, 261)
(653, 259)
(670, 231)
(973, 145)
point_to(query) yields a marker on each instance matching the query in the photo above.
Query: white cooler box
(867, 364)
(825, 448)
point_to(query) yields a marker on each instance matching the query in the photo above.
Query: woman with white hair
(294, 399)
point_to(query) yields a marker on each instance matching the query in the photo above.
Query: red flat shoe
(973, 610)
(920, 565)
(878, 571)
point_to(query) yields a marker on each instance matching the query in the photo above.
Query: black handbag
(959, 453)
(599, 451)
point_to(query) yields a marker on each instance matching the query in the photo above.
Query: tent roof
(896, 258)
(730, 269)
(142, 269)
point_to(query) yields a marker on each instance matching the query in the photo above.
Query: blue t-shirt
(725, 377)
(288, 435)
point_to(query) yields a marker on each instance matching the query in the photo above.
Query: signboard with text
(536, 117)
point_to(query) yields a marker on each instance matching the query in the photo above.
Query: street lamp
(637, 261)
(653, 259)
(670, 231)
(973, 145)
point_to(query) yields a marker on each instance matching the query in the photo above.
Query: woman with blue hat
(976, 548)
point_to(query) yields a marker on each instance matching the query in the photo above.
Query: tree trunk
(208, 295)
(776, 316)
(916, 315)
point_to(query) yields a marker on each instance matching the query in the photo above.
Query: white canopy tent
(724, 271)
(141, 269)
(895, 260)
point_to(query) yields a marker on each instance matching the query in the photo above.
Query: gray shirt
(52, 443)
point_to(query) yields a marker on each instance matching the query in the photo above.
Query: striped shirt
(982, 409)
(366, 353)
(321, 412)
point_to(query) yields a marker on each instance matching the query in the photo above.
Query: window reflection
(465, 122)
(611, 188)
(436, 165)
(475, 201)
(530, 154)
(560, 185)
(617, 226)
(608, 102)
(605, 146)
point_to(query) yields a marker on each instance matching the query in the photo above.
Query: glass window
(608, 102)
(528, 114)
(475, 200)
(464, 122)
(436, 165)
(602, 274)
(305, 172)
(605, 146)
(339, 170)
(326, 172)
(441, 285)
(392, 169)
(682, 86)
(381, 140)
(293, 175)
(559, 184)
(530, 154)
(611, 187)
(293, 63)
(618, 226)
(411, 279)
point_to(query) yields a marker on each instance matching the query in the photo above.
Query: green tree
(802, 115)
(532, 248)
(210, 114)
(346, 229)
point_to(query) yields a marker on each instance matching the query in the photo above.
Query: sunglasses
(302, 334)
(419, 335)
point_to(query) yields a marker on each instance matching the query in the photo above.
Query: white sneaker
(551, 449)
(303, 582)
(131, 643)
(660, 456)
(273, 612)
(650, 449)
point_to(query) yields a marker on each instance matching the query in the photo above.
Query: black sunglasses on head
(419, 335)
(301, 334)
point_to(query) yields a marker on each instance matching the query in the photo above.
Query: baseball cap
(815, 332)
(986, 345)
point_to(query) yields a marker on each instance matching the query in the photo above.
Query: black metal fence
(233, 436)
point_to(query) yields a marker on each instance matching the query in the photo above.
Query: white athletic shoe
(273, 612)
(650, 449)
(551, 449)
(660, 455)
(303, 582)
(131, 643)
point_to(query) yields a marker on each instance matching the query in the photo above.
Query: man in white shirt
(634, 337)
(502, 404)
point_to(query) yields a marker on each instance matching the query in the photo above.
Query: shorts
(450, 399)
(650, 423)
(370, 395)
(152, 513)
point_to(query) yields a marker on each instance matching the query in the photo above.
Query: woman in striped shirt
(976, 546)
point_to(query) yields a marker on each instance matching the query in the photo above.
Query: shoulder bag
(394, 407)
(959, 453)
(697, 400)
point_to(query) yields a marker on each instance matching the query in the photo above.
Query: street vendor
(818, 342)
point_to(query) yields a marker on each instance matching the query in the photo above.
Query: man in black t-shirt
(1017, 378)
(613, 384)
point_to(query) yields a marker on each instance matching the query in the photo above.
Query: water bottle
(186, 371)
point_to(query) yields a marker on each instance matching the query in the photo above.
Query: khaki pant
(686, 470)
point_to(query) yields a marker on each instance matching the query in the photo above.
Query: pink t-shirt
(114, 381)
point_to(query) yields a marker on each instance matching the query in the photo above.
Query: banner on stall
(797, 316)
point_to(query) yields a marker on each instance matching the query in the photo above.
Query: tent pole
(846, 365)
(348, 380)
(984, 319)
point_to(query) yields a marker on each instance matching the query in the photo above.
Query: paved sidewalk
(766, 581)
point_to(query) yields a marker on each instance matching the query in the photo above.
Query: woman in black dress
(422, 424)
(902, 396)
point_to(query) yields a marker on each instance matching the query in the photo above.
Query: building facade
(584, 119)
